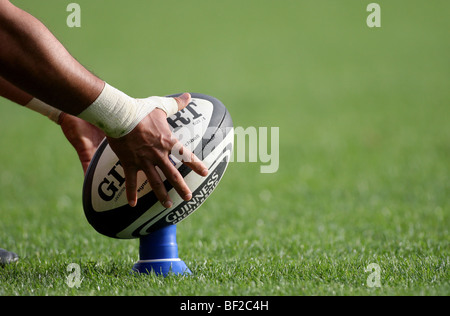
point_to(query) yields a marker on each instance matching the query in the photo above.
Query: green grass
(364, 149)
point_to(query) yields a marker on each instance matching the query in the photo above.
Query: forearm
(11, 92)
(32, 59)
(14, 94)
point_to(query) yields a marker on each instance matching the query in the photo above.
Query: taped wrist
(44, 109)
(117, 114)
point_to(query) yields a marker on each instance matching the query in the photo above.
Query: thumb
(167, 104)
(183, 101)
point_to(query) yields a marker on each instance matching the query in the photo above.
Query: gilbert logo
(177, 119)
(108, 188)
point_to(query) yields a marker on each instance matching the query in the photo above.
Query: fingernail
(186, 96)
(168, 204)
(205, 172)
(188, 197)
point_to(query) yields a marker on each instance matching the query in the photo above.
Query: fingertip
(132, 203)
(186, 96)
(130, 186)
(183, 100)
(132, 200)
(167, 204)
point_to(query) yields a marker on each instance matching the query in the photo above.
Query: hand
(148, 146)
(83, 136)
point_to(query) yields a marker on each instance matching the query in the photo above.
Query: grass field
(364, 149)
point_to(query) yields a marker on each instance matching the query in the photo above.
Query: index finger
(131, 186)
(189, 158)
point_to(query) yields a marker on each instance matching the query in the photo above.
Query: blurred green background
(364, 144)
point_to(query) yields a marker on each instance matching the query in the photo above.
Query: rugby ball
(206, 128)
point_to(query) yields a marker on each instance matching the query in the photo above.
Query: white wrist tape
(117, 114)
(44, 109)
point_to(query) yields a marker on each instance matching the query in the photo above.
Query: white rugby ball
(206, 128)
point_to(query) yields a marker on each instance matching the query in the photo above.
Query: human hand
(148, 146)
(83, 136)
